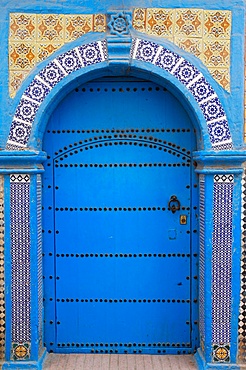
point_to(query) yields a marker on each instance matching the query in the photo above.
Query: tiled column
(220, 199)
(23, 272)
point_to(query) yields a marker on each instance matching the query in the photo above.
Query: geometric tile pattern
(20, 265)
(195, 82)
(221, 286)
(39, 256)
(21, 351)
(42, 84)
(2, 298)
(204, 33)
(202, 258)
(242, 313)
(34, 37)
(245, 93)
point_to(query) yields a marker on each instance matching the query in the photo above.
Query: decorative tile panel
(42, 84)
(242, 312)
(160, 22)
(2, 286)
(34, 37)
(50, 27)
(39, 256)
(189, 23)
(221, 267)
(20, 265)
(217, 24)
(22, 27)
(77, 25)
(22, 56)
(195, 82)
(204, 33)
(45, 49)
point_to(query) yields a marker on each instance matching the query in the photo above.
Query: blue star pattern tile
(90, 53)
(52, 74)
(222, 258)
(37, 91)
(195, 82)
(42, 84)
(146, 51)
(167, 60)
(212, 109)
(186, 72)
(219, 131)
(19, 133)
(70, 61)
(201, 90)
(26, 110)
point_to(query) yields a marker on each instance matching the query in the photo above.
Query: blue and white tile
(145, 50)
(90, 54)
(212, 109)
(26, 110)
(70, 61)
(186, 72)
(167, 60)
(201, 90)
(103, 45)
(52, 74)
(222, 257)
(37, 91)
(133, 48)
(219, 131)
(224, 178)
(223, 146)
(19, 133)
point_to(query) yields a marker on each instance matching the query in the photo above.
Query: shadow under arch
(142, 59)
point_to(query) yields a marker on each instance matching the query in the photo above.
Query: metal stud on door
(117, 221)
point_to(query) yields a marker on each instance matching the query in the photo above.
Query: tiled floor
(118, 362)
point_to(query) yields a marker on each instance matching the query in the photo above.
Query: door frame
(219, 167)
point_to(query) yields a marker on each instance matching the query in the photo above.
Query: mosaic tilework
(34, 37)
(39, 256)
(242, 314)
(245, 91)
(64, 64)
(2, 299)
(202, 258)
(20, 265)
(221, 267)
(204, 33)
(195, 82)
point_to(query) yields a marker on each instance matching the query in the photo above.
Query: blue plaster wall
(233, 102)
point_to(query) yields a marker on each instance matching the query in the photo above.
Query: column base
(30, 365)
(203, 365)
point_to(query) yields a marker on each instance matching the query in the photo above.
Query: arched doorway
(120, 207)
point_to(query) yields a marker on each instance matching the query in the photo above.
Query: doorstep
(118, 362)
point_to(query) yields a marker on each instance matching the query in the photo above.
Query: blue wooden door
(119, 219)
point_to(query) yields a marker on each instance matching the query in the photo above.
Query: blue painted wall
(233, 102)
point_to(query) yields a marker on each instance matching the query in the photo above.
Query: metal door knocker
(174, 204)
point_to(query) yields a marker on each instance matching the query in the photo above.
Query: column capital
(21, 162)
(219, 162)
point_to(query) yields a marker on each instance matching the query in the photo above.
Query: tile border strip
(193, 79)
(221, 285)
(20, 266)
(43, 83)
